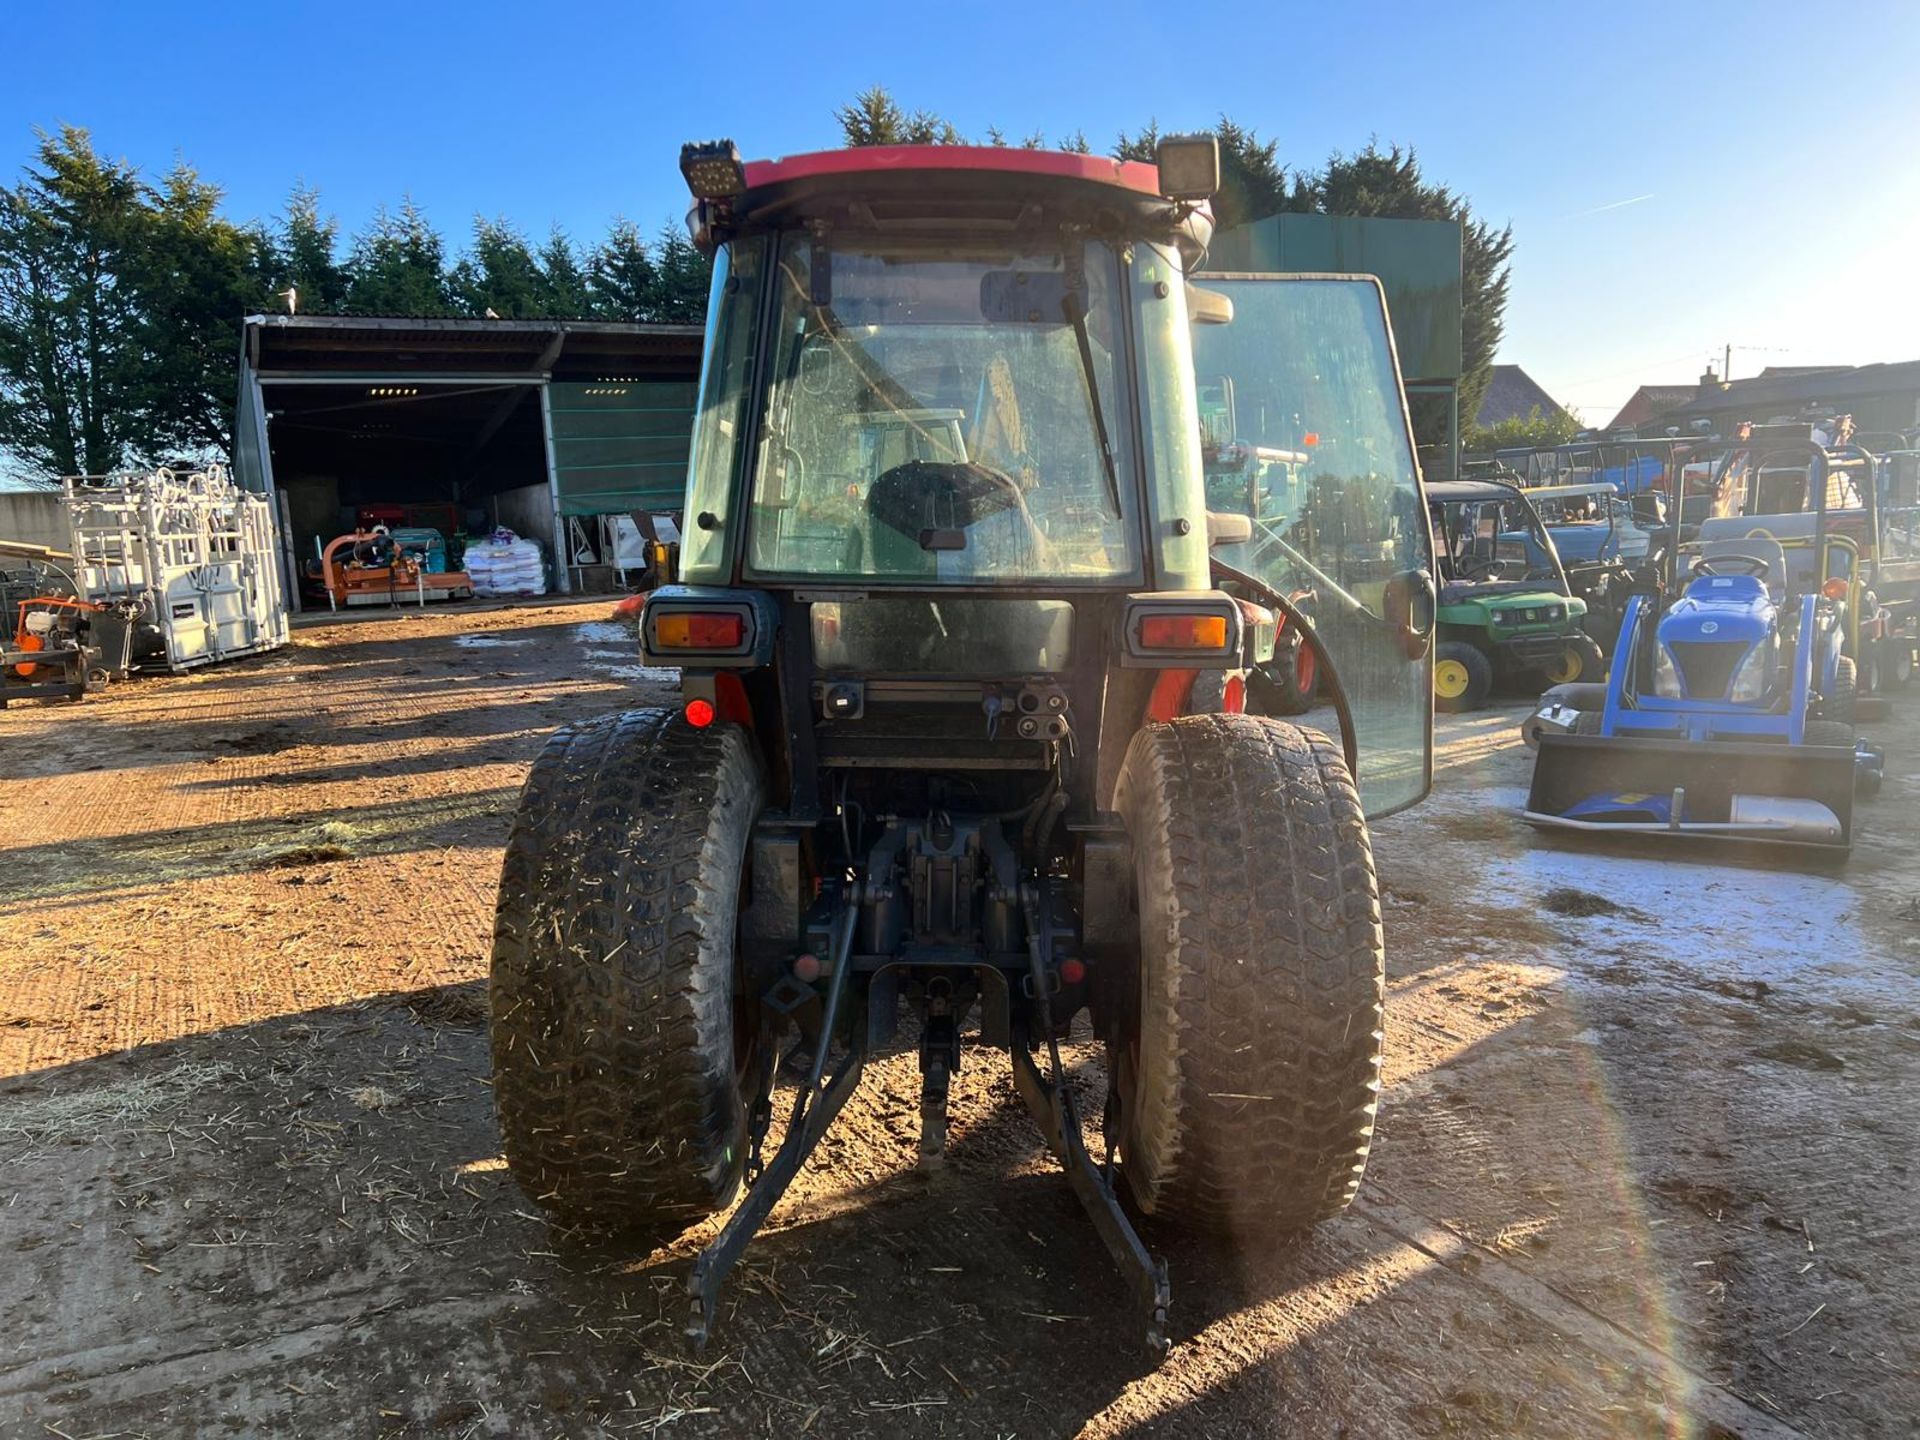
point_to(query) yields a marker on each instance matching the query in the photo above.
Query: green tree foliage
(621, 278)
(875, 118)
(71, 381)
(398, 266)
(684, 275)
(665, 283)
(1538, 430)
(567, 296)
(117, 303)
(498, 273)
(305, 246)
(197, 273)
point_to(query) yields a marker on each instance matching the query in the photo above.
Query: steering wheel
(1754, 565)
(912, 495)
(1472, 568)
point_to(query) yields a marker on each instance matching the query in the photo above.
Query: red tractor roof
(1132, 175)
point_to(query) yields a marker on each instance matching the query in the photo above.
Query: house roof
(1650, 401)
(1513, 394)
(1765, 394)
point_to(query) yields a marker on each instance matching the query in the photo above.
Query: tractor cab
(962, 733)
(951, 438)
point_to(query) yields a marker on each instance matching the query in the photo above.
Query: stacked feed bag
(503, 564)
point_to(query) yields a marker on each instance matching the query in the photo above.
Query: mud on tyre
(611, 996)
(1249, 1074)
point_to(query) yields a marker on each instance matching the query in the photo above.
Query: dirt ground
(1644, 1164)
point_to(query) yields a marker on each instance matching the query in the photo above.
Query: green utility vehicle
(1504, 607)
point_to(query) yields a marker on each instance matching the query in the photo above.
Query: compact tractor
(961, 738)
(1728, 714)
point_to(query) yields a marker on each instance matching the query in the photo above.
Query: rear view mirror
(1024, 297)
(1208, 307)
(1225, 527)
(1409, 603)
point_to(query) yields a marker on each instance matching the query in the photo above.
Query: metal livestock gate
(199, 556)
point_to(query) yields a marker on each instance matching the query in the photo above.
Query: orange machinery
(50, 654)
(369, 567)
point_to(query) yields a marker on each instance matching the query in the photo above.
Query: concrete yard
(1644, 1169)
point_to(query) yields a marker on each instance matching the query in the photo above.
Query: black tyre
(1839, 706)
(1462, 676)
(1581, 662)
(1828, 732)
(615, 1071)
(1289, 685)
(1249, 1071)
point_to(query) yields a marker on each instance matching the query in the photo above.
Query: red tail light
(693, 630)
(1183, 632)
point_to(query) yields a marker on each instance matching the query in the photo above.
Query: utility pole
(1726, 365)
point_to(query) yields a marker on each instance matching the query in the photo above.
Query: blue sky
(1760, 159)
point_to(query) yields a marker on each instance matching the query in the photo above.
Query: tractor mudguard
(1787, 794)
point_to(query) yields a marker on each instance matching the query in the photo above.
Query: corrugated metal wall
(621, 445)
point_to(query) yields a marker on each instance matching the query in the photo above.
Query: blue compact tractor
(1729, 713)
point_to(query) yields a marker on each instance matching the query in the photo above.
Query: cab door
(1300, 396)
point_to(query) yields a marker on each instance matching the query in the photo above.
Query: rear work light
(694, 630)
(1183, 632)
(712, 169)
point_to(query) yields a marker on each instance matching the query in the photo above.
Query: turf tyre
(611, 996)
(1249, 1068)
(1828, 732)
(1839, 706)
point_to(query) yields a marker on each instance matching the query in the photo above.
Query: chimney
(1709, 383)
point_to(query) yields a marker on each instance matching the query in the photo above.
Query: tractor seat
(1717, 541)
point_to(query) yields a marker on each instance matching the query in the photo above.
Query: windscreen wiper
(1076, 312)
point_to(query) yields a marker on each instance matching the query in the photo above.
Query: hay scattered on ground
(96, 1109)
(372, 1097)
(319, 846)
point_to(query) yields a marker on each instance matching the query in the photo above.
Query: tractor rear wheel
(1248, 1064)
(615, 1073)
(1462, 676)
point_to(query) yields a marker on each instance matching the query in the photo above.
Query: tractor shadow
(300, 1193)
(305, 1195)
